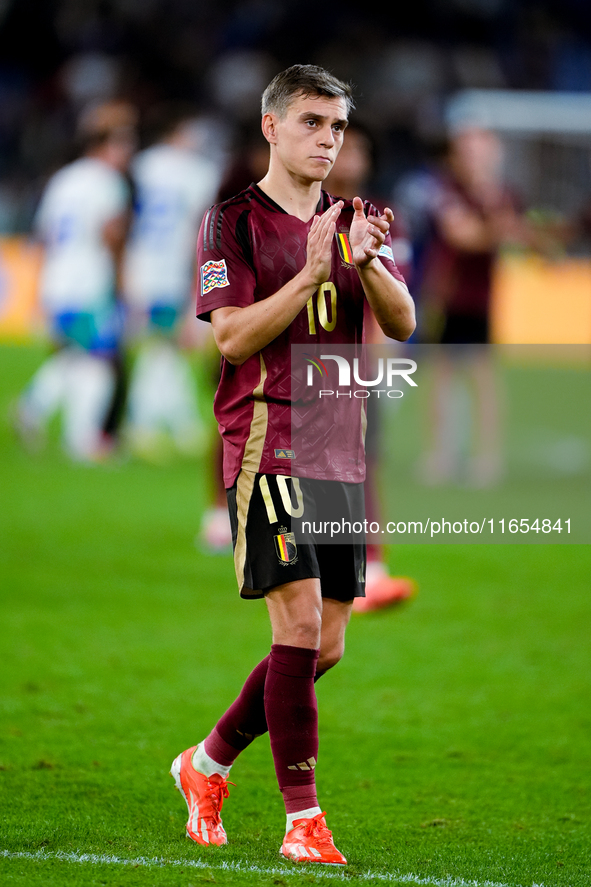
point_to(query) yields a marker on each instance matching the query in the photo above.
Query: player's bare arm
(242, 332)
(470, 231)
(389, 299)
(115, 233)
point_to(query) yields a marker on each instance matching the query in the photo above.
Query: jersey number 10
(325, 290)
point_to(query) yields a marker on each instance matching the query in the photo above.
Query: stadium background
(470, 702)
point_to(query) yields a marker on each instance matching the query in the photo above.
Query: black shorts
(269, 546)
(461, 329)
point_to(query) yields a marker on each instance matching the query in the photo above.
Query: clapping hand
(367, 234)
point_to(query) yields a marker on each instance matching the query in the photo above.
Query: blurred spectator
(349, 178)
(175, 183)
(83, 220)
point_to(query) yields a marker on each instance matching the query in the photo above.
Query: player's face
(309, 137)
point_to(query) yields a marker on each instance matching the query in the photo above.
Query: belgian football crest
(285, 546)
(345, 251)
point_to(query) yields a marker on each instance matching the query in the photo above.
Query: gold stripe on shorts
(251, 462)
(244, 488)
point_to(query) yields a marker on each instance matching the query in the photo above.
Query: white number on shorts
(298, 510)
(267, 499)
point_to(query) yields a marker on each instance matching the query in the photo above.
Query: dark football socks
(278, 696)
(243, 722)
(292, 717)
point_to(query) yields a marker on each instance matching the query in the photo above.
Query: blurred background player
(473, 214)
(351, 175)
(175, 183)
(83, 221)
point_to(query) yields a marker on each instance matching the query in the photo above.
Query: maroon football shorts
(280, 534)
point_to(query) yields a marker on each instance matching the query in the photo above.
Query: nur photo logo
(387, 372)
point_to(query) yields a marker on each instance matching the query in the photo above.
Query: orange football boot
(383, 590)
(204, 796)
(311, 841)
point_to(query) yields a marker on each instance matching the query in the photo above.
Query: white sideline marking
(156, 862)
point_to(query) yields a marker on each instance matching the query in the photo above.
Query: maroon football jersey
(461, 280)
(248, 248)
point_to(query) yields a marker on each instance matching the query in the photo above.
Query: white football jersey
(174, 188)
(78, 271)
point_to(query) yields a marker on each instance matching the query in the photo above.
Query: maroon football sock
(243, 722)
(292, 718)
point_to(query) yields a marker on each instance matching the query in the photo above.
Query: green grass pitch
(455, 734)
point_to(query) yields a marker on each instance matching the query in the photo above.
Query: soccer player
(175, 183)
(82, 220)
(473, 216)
(272, 273)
